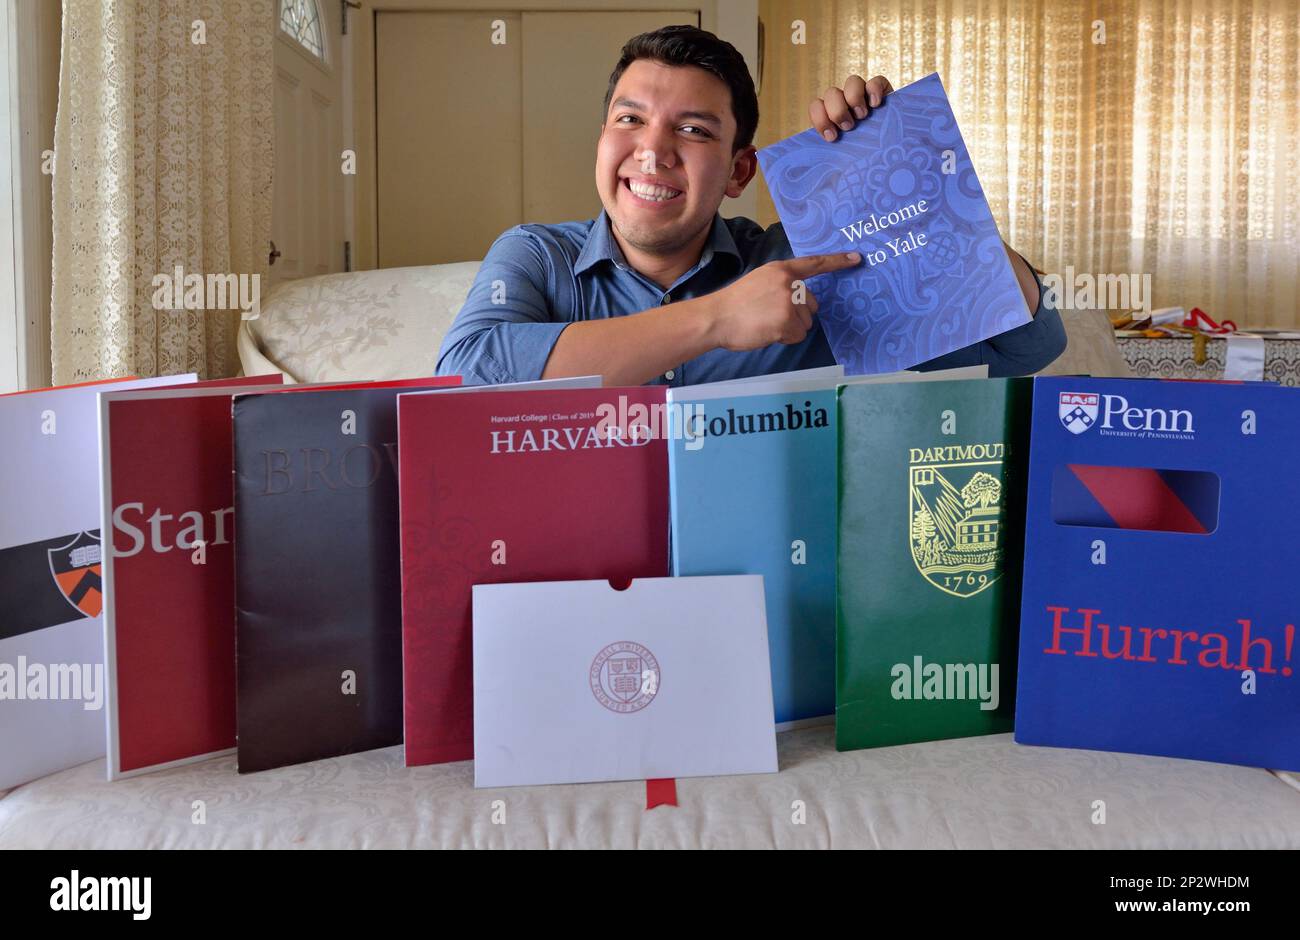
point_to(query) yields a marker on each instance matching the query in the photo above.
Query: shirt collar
(601, 245)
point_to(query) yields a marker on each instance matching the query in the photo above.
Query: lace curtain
(1111, 136)
(163, 159)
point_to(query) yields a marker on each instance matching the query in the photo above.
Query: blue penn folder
(1160, 596)
(899, 188)
(752, 472)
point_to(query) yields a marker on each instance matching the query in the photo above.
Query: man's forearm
(632, 349)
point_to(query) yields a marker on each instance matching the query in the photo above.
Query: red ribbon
(660, 793)
(1198, 319)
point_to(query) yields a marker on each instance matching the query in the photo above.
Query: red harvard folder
(169, 624)
(515, 486)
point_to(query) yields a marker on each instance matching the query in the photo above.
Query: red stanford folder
(498, 487)
(169, 580)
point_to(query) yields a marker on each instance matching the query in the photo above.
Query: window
(301, 20)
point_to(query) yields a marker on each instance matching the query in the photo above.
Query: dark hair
(686, 45)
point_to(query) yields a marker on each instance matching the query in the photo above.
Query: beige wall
(733, 20)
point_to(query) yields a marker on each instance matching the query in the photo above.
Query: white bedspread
(970, 793)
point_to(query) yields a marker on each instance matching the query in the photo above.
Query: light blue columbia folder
(752, 471)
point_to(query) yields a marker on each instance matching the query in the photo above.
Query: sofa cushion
(381, 324)
(1091, 347)
(968, 793)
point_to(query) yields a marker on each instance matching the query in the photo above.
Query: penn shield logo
(1115, 416)
(1078, 410)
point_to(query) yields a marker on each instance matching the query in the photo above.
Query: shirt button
(667, 299)
(669, 375)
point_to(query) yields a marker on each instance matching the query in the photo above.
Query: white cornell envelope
(576, 682)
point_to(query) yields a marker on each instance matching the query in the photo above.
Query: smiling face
(664, 160)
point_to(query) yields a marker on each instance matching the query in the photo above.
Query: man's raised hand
(840, 108)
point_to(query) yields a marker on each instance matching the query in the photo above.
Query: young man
(659, 287)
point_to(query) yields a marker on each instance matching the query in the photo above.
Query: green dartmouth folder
(932, 482)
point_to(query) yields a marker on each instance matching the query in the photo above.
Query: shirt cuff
(502, 354)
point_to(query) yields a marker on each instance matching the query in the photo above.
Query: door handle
(275, 253)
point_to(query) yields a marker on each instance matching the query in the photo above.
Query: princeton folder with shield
(51, 579)
(931, 521)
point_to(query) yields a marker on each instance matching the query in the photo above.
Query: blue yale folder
(752, 471)
(1160, 596)
(900, 189)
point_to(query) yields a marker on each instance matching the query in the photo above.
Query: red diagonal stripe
(1138, 498)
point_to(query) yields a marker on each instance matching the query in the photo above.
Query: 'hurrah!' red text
(1080, 632)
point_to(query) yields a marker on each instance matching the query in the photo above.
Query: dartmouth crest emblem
(956, 517)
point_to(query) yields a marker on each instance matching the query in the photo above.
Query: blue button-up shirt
(537, 279)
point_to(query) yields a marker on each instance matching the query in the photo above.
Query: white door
(307, 210)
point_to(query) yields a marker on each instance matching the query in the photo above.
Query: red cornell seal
(624, 677)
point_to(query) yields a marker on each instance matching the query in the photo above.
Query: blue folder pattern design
(902, 305)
